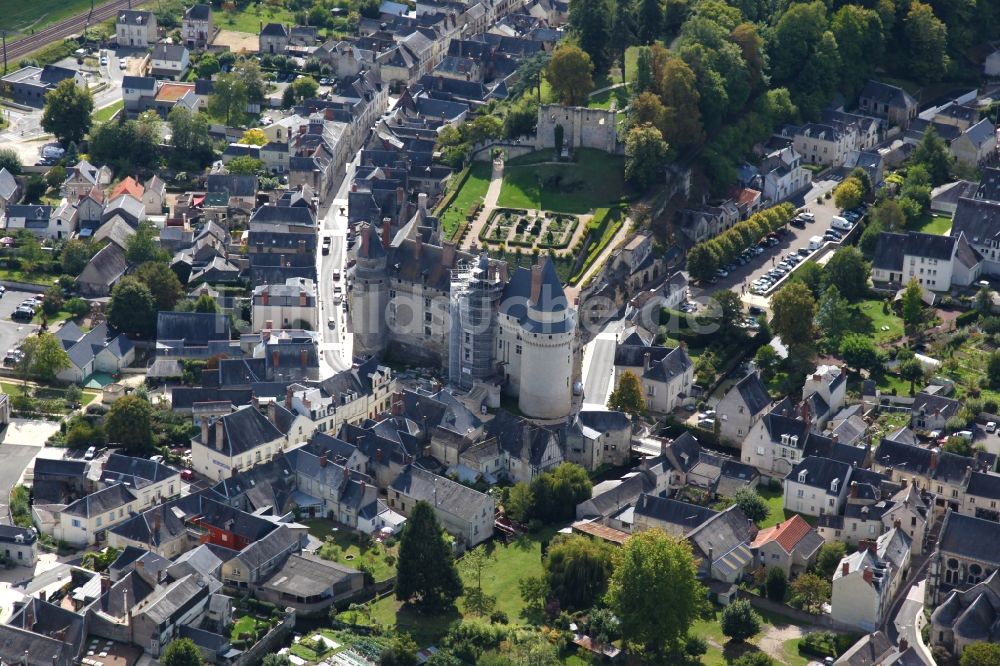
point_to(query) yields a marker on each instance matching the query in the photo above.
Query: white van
(815, 242)
(838, 222)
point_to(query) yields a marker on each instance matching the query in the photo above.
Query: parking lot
(740, 279)
(13, 332)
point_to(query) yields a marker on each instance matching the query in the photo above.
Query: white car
(104, 60)
(991, 426)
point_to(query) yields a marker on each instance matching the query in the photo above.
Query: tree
(859, 352)
(299, 90)
(776, 584)
(627, 396)
(912, 306)
(254, 137)
(192, 146)
(755, 658)
(30, 253)
(246, 166)
(927, 38)
(44, 356)
(206, 303)
(702, 262)
(53, 301)
(828, 558)
(645, 156)
(208, 65)
(142, 246)
(858, 32)
(889, 214)
(181, 652)
(401, 651)
(276, 660)
(55, 177)
(810, 592)
(473, 563)
(932, 153)
(993, 370)
(705, 369)
(130, 422)
(912, 371)
(848, 270)
(848, 194)
(229, 98)
(647, 109)
(519, 502)
(577, 570)
(530, 71)
(739, 621)
(650, 567)
(832, 316)
(162, 282)
(592, 22)
(794, 309)
(132, 309)
(767, 361)
(556, 493)
(10, 159)
(726, 304)
(751, 504)
(570, 74)
(981, 654)
(426, 574)
(623, 31)
(67, 112)
(650, 22)
(557, 138)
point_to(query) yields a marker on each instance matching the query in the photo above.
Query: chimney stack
(646, 361)
(322, 460)
(854, 488)
(220, 431)
(303, 358)
(845, 568)
(422, 202)
(385, 232)
(204, 430)
(265, 297)
(275, 359)
(272, 411)
(303, 299)
(934, 460)
(868, 575)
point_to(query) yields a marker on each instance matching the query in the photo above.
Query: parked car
(91, 452)
(187, 475)
(991, 426)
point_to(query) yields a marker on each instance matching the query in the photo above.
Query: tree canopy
(570, 74)
(132, 309)
(181, 652)
(794, 309)
(426, 574)
(129, 423)
(627, 396)
(577, 570)
(67, 112)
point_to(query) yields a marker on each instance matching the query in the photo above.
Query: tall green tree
(570, 74)
(627, 396)
(912, 305)
(130, 423)
(162, 282)
(142, 246)
(556, 493)
(75, 255)
(44, 356)
(832, 316)
(650, 21)
(932, 154)
(848, 270)
(577, 570)
(426, 574)
(229, 98)
(753, 506)
(981, 654)
(530, 71)
(182, 652)
(927, 38)
(751, 45)
(860, 41)
(740, 621)
(132, 309)
(680, 96)
(828, 558)
(67, 112)
(189, 139)
(794, 310)
(912, 371)
(10, 160)
(592, 22)
(623, 31)
(519, 502)
(645, 156)
(859, 351)
(650, 567)
(776, 584)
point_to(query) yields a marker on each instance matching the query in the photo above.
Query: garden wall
(512, 148)
(270, 643)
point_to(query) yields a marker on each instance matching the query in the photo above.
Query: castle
(582, 128)
(432, 303)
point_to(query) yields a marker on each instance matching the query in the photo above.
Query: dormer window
(802, 476)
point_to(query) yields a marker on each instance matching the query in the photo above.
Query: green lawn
(933, 224)
(473, 192)
(594, 179)
(722, 651)
(344, 549)
(244, 625)
(105, 114)
(31, 278)
(510, 564)
(603, 100)
(776, 508)
(249, 19)
(869, 319)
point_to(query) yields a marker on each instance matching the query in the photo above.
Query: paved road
(906, 625)
(598, 366)
(71, 26)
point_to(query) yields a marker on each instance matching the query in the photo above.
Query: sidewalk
(489, 203)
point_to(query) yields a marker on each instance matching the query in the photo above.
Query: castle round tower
(370, 294)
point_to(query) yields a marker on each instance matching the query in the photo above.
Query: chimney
(288, 398)
(385, 232)
(835, 437)
(400, 196)
(378, 455)
(204, 430)
(868, 575)
(105, 583)
(302, 247)
(448, 254)
(157, 518)
(536, 281)
(272, 408)
(275, 359)
(934, 460)
(663, 447)
(303, 358)
(854, 488)
(646, 361)
(322, 460)
(904, 645)
(265, 297)
(418, 246)
(422, 202)
(845, 569)
(220, 431)
(303, 299)
(397, 404)
(903, 482)
(283, 261)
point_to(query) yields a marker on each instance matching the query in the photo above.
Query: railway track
(57, 31)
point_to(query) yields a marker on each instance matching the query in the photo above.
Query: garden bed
(518, 228)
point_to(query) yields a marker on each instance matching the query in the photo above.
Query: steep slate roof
(101, 501)
(440, 491)
(887, 94)
(199, 12)
(984, 485)
(105, 267)
(973, 538)
(820, 473)
(933, 404)
(673, 512)
(978, 219)
(8, 184)
(244, 430)
(194, 328)
(929, 245)
(274, 30)
(753, 393)
(889, 250)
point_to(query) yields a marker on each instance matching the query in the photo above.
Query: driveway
(12, 333)
(20, 442)
(598, 367)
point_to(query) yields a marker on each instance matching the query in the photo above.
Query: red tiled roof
(787, 534)
(129, 186)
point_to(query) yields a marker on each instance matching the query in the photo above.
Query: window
(760, 450)
(517, 349)
(800, 493)
(75, 522)
(650, 390)
(98, 523)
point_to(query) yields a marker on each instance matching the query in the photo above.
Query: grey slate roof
(753, 392)
(101, 501)
(929, 245)
(194, 328)
(978, 219)
(889, 250)
(929, 403)
(199, 12)
(8, 185)
(244, 430)
(974, 538)
(984, 485)
(820, 473)
(105, 267)
(684, 515)
(456, 499)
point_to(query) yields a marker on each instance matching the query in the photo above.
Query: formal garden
(524, 228)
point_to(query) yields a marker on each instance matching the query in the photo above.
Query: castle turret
(369, 294)
(537, 337)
